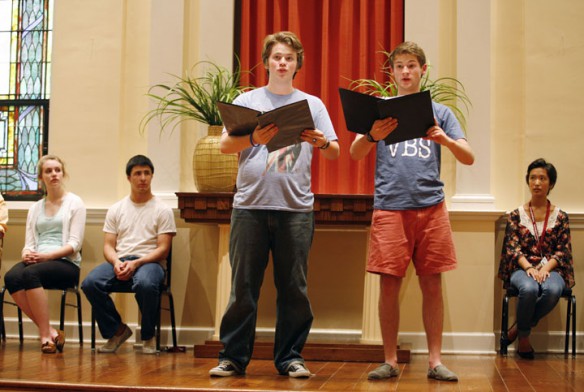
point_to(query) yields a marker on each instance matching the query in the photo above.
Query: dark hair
(138, 160)
(543, 164)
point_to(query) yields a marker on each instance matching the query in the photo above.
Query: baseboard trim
(452, 343)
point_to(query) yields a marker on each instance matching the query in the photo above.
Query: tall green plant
(193, 97)
(447, 90)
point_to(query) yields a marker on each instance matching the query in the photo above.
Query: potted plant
(193, 97)
(446, 90)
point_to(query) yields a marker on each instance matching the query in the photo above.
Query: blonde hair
(41, 163)
(287, 38)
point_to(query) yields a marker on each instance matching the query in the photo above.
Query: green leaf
(193, 97)
(446, 90)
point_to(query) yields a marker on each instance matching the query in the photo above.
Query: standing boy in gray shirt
(272, 211)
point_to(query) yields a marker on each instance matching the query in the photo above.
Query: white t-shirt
(138, 226)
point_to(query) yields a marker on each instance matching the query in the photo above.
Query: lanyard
(539, 239)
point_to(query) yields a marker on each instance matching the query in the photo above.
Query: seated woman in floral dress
(536, 258)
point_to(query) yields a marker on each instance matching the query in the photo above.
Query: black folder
(413, 112)
(291, 121)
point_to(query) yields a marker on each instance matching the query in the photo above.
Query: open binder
(413, 112)
(291, 121)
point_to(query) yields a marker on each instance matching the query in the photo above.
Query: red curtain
(342, 40)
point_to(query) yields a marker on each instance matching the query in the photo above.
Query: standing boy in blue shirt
(410, 220)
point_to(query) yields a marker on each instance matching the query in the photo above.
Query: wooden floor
(24, 368)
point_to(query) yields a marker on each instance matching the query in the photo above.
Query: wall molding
(469, 343)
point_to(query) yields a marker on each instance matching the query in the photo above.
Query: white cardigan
(74, 215)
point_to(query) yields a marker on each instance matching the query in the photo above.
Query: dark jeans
(145, 284)
(253, 234)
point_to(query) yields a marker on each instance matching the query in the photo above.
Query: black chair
(164, 291)
(570, 319)
(64, 291)
(64, 303)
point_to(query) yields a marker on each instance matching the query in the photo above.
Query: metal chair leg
(62, 318)
(2, 326)
(79, 317)
(172, 319)
(504, 325)
(20, 328)
(573, 302)
(92, 330)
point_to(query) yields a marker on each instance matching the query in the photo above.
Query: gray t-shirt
(407, 174)
(279, 180)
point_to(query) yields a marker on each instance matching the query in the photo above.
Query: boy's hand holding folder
(291, 121)
(413, 113)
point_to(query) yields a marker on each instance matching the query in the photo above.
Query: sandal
(60, 340)
(48, 348)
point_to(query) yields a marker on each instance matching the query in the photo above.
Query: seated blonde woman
(54, 233)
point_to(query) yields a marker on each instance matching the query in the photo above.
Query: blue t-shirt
(407, 174)
(279, 180)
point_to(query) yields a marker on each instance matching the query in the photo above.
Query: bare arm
(125, 270)
(234, 144)
(332, 151)
(316, 138)
(31, 257)
(109, 251)
(163, 242)
(380, 130)
(459, 148)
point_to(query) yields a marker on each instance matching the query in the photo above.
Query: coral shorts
(423, 236)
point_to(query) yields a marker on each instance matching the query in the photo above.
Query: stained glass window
(25, 65)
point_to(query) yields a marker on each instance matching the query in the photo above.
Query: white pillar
(460, 32)
(166, 57)
(473, 50)
(223, 278)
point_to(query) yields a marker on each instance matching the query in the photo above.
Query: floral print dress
(520, 241)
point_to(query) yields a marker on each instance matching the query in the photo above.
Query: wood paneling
(339, 352)
(198, 207)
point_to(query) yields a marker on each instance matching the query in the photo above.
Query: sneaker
(442, 373)
(149, 346)
(383, 371)
(297, 369)
(225, 369)
(115, 341)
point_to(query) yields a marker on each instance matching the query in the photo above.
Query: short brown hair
(287, 38)
(408, 47)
